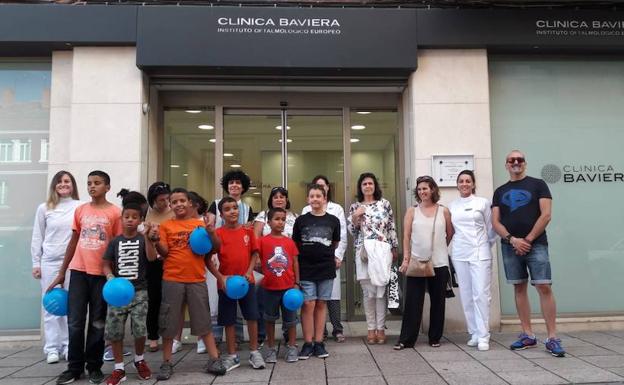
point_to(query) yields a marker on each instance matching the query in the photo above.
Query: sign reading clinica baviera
(263, 37)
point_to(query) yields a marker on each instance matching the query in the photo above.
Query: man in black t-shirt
(521, 210)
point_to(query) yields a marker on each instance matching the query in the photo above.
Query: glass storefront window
(24, 120)
(566, 115)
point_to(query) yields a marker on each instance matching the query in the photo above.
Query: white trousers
(475, 278)
(54, 327)
(374, 301)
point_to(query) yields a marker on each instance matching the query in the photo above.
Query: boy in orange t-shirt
(184, 281)
(237, 256)
(95, 224)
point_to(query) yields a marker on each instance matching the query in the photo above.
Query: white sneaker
(201, 347)
(53, 358)
(177, 346)
(473, 341)
(483, 346)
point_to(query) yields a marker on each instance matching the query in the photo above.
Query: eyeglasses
(518, 159)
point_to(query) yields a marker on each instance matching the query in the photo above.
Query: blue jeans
(85, 294)
(536, 263)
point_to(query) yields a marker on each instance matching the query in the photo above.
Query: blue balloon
(118, 292)
(292, 299)
(236, 287)
(200, 241)
(55, 301)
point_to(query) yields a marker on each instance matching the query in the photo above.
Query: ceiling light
(185, 174)
(354, 140)
(235, 165)
(193, 111)
(205, 127)
(363, 112)
(213, 140)
(174, 165)
(280, 127)
(253, 188)
(358, 127)
(287, 140)
(228, 154)
(257, 193)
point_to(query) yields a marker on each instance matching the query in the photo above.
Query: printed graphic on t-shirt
(93, 232)
(246, 240)
(317, 234)
(278, 263)
(514, 199)
(179, 240)
(128, 261)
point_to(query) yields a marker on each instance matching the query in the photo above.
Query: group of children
(107, 243)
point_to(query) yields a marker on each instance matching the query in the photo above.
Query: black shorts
(273, 304)
(227, 307)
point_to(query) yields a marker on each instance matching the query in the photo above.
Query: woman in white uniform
(472, 257)
(51, 233)
(333, 306)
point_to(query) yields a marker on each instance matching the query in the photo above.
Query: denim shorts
(536, 263)
(273, 304)
(313, 290)
(227, 307)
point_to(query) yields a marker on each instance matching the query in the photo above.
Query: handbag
(423, 267)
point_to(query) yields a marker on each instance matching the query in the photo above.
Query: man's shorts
(117, 316)
(536, 263)
(227, 307)
(273, 304)
(174, 296)
(313, 290)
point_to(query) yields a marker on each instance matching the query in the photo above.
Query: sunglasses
(279, 189)
(518, 159)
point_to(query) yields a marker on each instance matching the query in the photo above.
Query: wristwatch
(508, 238)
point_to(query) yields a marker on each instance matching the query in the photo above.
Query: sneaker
(165, 372)
(553, 345)
(483, 346)
(126, 352)
(116, 377)
(524, 342)
(306, 351)
(216, 367)
(67, 377)
(255, 360)
(52, 358)
(319, 350)
(201, 347)
(291, 354)
(143, 371)
(177, 346)
(96, 376)
(260, 343)
(108, 354)
(473, 341)
(231, 361)
(271, 356)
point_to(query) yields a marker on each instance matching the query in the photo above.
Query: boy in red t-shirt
(280, 266)
(237, 256)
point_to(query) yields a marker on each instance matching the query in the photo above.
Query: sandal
(340, 338)
(399, 346)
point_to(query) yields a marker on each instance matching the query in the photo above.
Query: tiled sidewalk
(593, 357)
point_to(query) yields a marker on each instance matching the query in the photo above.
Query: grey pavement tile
(391, 355)
(9, 370)
(510, 365)
(405, 367)
(534, 353)
(588, 350)
(356, 368)
(563, 363)
(618, 371)
(25, 381)
(588, 375)
(470, 378)
(372, 380)
(458, 366)
(32, 352)
(19, 361)
(182, 366)
(606, 361)
(245, 374)
(615, 333)
(494, 354)
(189, 379)
(132, 379)
(318, 380)
(5, 352)
(619, 348)
(425, 378)
(597, 338)
(300, 370)
(41, 369)
(534, 377)
(445, 346)
(446, 356)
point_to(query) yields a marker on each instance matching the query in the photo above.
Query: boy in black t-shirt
(316, 234)
(126, 257)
